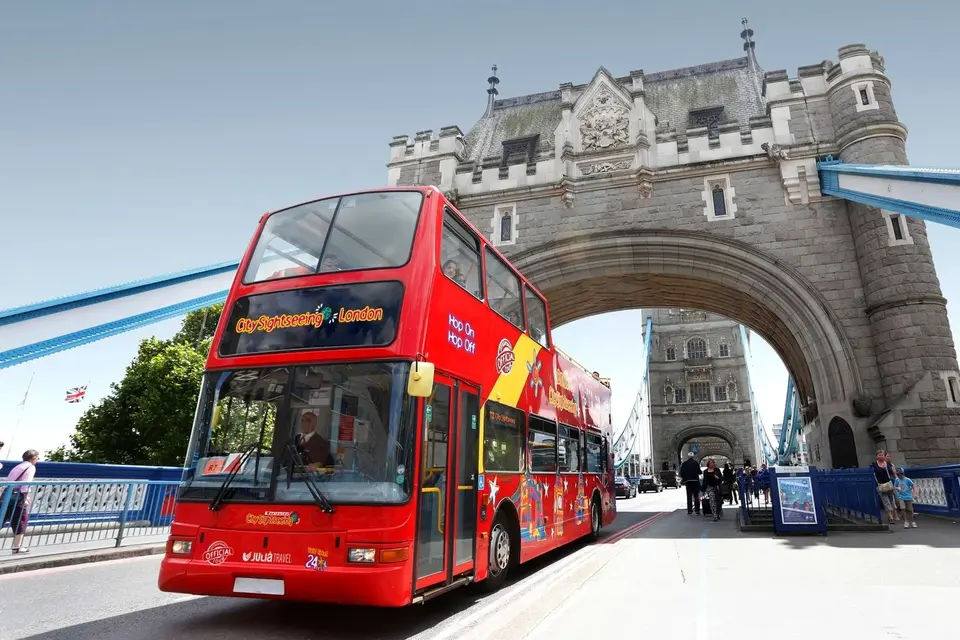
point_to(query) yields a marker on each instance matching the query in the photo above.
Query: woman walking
(19, 506)
(885, 486)
(712, 479)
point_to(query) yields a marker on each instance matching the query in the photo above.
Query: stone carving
(604, 167)
(645, 189)
(775, 151)
(605, 124)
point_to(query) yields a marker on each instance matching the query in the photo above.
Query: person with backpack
(18, 507)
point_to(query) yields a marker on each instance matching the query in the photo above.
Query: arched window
(696, 349)
(719, 202)
(506, 228)
(671, 353)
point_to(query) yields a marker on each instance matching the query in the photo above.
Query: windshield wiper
(318, 497)
(222, 491)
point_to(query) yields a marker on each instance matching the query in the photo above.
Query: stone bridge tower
(697, 188)
(699, 387)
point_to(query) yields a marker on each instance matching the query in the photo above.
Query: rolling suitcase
(705, 506)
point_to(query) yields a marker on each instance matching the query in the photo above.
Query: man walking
(690, 476)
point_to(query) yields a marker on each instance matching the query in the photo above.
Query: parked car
(649, 483)
(670, 479)
(624, 487)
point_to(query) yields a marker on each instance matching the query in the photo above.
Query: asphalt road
(119, 599)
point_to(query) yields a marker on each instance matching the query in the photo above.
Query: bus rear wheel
(501, 553)
(596, 520)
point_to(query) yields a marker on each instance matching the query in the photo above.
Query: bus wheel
(501, 553)
(596, 520)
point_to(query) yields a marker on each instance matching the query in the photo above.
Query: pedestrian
(904, 487)
(18, 508)
(730, 482)
(885, 486)
(892, 471)
(690, 476)
(712, 479)
(1, 449)
(763, 482)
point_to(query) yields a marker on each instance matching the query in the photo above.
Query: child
(904, 487)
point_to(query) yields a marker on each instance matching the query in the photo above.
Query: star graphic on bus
(534, 369)
(494, 488)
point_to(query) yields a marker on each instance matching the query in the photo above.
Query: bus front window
(237, 410)
(350, 427)
(363, 231)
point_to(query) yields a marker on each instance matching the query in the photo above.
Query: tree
(147, 417)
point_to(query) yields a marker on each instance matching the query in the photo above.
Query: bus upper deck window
(536, 317)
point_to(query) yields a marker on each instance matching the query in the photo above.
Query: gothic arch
(689, 433)
(843, 448)
(593, 273)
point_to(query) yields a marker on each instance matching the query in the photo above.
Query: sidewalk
(685, 576)
(59, 555)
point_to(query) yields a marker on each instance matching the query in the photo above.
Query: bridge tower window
(504, 225)
(680, 396)
(719, 204)
(897, 230)
(718, 198)
(724, 351)
(720, 393)
(696, 349)
(864, 98)
(700, 392)
(671, 353)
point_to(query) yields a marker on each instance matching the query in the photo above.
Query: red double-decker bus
(384, 416)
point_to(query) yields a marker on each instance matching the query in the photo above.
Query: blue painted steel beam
(943, 181)
(627, 432)
(43, 348)
(28, 312)
(785, 424)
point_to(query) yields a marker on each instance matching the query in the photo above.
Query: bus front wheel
(501, 552)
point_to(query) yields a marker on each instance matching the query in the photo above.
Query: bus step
(437, 591)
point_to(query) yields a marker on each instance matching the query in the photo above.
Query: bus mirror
(420, 383)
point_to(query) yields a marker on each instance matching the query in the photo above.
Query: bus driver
(314, 448)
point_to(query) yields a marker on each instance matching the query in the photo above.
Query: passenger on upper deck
(451, 269)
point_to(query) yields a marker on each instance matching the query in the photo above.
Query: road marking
(620, 535)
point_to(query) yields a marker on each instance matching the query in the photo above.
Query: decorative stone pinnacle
(492, 92)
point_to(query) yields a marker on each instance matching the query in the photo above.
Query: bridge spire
(749, 47)
(492, 92)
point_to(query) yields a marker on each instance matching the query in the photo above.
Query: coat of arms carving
(605, 124)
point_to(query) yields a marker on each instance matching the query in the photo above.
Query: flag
(76, 394)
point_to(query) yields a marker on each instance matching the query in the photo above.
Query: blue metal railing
(936, 489)
(87, 514)
(848, 493)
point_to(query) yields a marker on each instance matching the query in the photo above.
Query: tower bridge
(700, 187)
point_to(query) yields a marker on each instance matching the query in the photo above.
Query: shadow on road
(233, 618)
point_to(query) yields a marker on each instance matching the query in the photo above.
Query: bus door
(446, 523)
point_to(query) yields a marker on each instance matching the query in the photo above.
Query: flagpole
(23, 407)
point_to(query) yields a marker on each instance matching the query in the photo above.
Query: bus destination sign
(353, 315)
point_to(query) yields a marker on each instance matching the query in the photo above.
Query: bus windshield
(363, 231)
(349, 427)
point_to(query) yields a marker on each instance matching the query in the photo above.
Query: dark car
(624, 487)
(670, 479)
(649, 483)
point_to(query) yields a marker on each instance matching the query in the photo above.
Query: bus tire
(596, 519)
(504, 549)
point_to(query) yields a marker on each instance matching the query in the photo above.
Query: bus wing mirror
(420, 382)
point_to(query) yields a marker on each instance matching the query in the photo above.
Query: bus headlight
(180, 547)
(361, 555)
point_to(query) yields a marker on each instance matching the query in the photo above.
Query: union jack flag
(76, 394)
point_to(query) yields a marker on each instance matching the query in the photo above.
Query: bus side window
(503, 290)
(536, 317)
(503, 431)
(460, 255)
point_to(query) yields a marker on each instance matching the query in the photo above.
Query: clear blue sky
(145, 138)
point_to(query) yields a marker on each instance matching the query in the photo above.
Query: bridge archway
(598, 272)
(733, 450)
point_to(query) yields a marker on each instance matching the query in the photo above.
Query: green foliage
(147, 416)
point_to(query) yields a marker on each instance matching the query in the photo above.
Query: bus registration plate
(258, 585)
